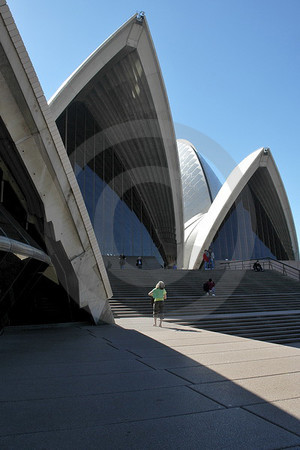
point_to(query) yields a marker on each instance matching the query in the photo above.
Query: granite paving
(135, 386)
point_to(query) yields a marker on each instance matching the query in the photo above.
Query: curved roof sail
(121, 86)
(199, 188)
(260, 168)
(199, 183)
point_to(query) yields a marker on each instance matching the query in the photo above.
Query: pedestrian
(139, 262)
(211, 263)
(205, 259)
(159, 295)
(122, 260)
(209, 287)
(257, 266)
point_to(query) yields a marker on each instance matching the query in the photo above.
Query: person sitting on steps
(209, 287)
(257, 267)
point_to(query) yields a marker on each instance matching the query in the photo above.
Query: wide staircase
(258, 305)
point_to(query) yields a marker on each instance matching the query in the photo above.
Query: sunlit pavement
(135, 386)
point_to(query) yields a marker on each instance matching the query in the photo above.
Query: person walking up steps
(159, 295)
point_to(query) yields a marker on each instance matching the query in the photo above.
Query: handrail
(20, 248)
(266, 263)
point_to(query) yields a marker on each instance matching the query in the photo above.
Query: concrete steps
(263, 306)
(283, 329)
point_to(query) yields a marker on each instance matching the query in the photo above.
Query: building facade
(98, 171)
(49, 252)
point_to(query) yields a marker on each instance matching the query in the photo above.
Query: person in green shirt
(159, 295)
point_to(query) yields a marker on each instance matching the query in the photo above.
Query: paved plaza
(135, 386)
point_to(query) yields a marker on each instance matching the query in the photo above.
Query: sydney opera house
(98, 171)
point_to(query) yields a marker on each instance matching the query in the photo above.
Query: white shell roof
(135, 36)
(206, 228)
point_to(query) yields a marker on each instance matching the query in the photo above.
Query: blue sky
(231, 68)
